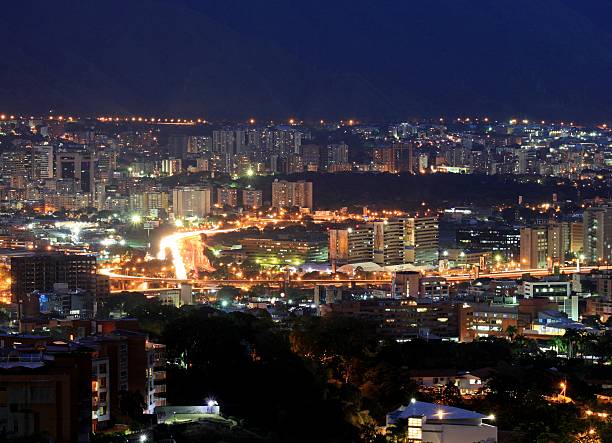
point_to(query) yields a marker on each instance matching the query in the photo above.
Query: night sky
(374, 60)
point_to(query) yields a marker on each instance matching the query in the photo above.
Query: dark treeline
(332, 380)
(408, 192)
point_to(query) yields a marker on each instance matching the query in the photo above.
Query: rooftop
(434, 412)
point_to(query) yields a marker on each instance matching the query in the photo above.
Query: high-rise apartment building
(286, 194)
(396, 158)
(191, 202)
(227, 196)
(597, 234)
(337, 154)
(149, 201)
(311, 155)
(171, 166)
(42, 162)
(252, 198)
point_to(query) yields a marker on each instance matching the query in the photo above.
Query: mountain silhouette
(374, 60)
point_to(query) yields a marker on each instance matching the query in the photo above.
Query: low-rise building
(435, 423)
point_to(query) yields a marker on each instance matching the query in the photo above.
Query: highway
(172, 242)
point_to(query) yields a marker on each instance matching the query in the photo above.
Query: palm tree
(559, 344)
(511, 332)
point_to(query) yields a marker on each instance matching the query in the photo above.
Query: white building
(191, 202)
(433, 423)
(437, 379)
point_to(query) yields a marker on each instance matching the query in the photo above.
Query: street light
(143, 438)
(136, 219)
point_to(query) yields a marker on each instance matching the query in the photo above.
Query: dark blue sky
(313, 59)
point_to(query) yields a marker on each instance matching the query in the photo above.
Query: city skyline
(322, 221)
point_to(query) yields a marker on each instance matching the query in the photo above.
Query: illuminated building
(351, 245)
(67, 303)
(555, 291)
(252, 198)
(406, 284)
(15, 165)
(40, 271)
(558, 241)
(311, 155)
(171, 166)
(389, 242)
(401, 318)
(272, 252)
(286, 194)
(597, 234)
(534, 248)
(199, 144)
(149, 202)
(485, 320)
(576, 237)
(396, 158)
(45, 387)
(191, 202)
(68, 202)
(337, 157)
(430, 422)
(227, 196)
(229, 141)
(106, 163)
(42, 162)
(77, 165)
(489, 237)
(421, 240)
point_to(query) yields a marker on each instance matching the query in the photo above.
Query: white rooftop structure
(435, 423)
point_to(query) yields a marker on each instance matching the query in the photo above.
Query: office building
(576, 237)
(558, 241)
(41, 271)
(597, 235)
(42, 162)
(77, 165)
(388, 242)
(504, 240)
(351, 245)
(421, 241)
(534, 248)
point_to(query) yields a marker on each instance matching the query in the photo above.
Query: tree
(451, 395)
(511, 332)
(131, 404)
